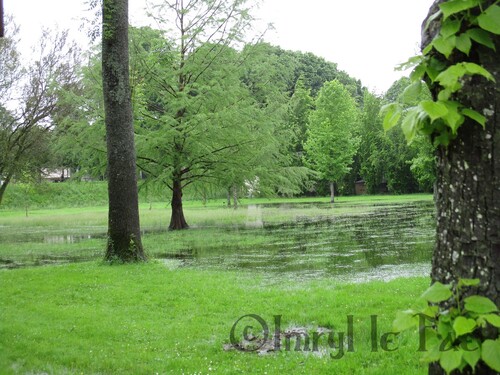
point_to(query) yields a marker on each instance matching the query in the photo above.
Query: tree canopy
(331, 143)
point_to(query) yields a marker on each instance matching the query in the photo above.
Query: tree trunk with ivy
(468, 184)
(124, 235)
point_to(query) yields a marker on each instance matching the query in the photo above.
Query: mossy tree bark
(124, 235)
(468, 188)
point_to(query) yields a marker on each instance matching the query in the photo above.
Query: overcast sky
(366, 38)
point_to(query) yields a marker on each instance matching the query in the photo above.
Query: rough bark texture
(177, 220)
(124, 235)
(468, 188)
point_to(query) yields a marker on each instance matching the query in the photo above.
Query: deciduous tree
(29, 99)
(124, 235)
(331, 143)
(459, 63)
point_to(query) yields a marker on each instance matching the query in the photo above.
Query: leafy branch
(455, 336)
(444, 65)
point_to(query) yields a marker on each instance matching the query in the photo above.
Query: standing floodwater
(293, 241)
(358, 243)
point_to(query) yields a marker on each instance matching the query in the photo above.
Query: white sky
(366, 38)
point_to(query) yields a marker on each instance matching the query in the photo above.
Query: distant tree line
(215, 115)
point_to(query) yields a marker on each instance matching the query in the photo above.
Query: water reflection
(382, 241)
(390, 241)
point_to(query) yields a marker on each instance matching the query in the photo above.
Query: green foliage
(385, 156)
(455, 339)
(444, 65)
(80, 137)
(331, 144)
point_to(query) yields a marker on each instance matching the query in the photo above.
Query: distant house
(55, 175)
(360, 187)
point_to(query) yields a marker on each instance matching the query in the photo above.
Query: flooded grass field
(348, 240)
(310, 263)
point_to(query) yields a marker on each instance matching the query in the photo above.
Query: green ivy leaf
(412, 62)
(445, 46)
(493, 319)
(450, 360)
(489, 20)
(476, 116)
(404, 321)
(464, 43)
(431, 311)
(432, 353)
(443, 138)
(482, 37)
(392, 114)
(472, 68)
(468, 282)
(435, 110)
(445, 95)
(434, 67)
(449, 28)
(427, 49)
(450, 76)
(409, 125)
(463, 325)
(480, 305)
(437, 293)
(472, 357)
(412, 92)
(453, 118)
(444, 328)
(418, 73)
(456, 6)
(490, 353)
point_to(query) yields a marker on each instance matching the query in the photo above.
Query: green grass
(19, 196)
(93, 318)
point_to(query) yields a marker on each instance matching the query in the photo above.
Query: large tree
(468, 194)
(29, 99)
(468, 168)
(200, 118)
(124, 235)
(331, 143)
(459, 63)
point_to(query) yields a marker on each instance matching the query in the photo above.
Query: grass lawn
(93, 318)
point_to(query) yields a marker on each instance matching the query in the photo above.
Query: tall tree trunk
(228, 197)
(177, 220)
(3, 186)
(124, 235)
(468, 190)
(332, 192)
(235, 196)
